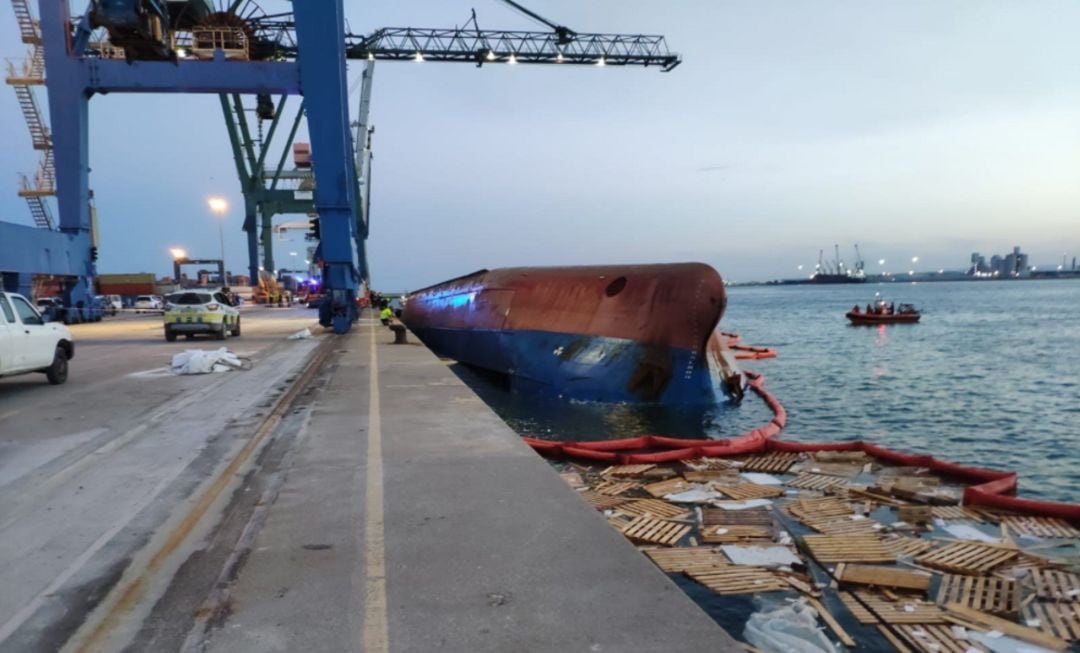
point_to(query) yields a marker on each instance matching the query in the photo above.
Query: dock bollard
(399, 333)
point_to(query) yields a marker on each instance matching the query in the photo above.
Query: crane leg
(322, 67)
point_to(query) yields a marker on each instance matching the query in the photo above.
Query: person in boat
(892, 308)
(869, 310)
(855, 309)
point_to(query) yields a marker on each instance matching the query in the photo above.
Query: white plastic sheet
(760, 556)
(791, 628)
(302, 334)
(761, 479)
(742, 505)
(199, 361)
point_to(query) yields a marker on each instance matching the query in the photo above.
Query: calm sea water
(990, 377)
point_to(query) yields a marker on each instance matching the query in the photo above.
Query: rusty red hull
(599, 333)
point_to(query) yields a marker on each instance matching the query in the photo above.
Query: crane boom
(565, 34)
(511, 46)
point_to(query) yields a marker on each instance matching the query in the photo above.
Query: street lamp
(914, 259)
(178, 253)
(218, 206)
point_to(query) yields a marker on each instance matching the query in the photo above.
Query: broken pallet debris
(848, 548)
(655, 531)
(686, 559)
(777, 462)
(998, 596)
(653, 508)
(740, 580)
(883, 576)
(969, 558)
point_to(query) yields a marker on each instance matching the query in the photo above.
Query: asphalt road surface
(91, 470)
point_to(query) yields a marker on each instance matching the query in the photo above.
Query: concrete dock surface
(345, 494)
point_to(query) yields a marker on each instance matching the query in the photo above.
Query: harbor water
(990, 377)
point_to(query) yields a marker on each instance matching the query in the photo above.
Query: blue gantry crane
(232, 48)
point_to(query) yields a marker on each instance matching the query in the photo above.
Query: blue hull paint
(577, 367)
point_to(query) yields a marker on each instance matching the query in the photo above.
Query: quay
(344, 494)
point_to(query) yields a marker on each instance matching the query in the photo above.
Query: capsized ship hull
(620, 333)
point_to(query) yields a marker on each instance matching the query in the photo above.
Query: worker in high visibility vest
(385, 315)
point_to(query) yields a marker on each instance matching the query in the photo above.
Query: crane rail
(511, 46)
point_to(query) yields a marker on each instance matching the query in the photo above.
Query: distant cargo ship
(619, 333)
(837, 278)
(829, 272)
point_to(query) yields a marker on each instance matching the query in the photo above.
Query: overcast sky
(914, 128)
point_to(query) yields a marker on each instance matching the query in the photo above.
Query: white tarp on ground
(199, 361)
(760, 556)
(789, 628)
(302, 334)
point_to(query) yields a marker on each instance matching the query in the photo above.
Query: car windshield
(193, 299)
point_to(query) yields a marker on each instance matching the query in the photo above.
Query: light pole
(218, 206)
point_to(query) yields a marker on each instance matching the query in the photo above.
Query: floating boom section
(501, 46)
(620, 333)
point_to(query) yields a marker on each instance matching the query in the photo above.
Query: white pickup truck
(29, 344)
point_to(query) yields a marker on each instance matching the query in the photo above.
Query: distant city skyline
(927, 128)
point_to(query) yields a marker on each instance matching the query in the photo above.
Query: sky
(929, 128)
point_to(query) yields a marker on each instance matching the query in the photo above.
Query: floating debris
(860, 541)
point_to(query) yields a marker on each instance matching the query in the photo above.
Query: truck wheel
(57, 372)
(170, 335)
(236, 329)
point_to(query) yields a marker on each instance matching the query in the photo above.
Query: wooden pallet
(951, 513)
(819, 482)
(904, 546)
(1055, 585)
(653, 508)
(880, 576)
(615, 488)
(994, 595)
(655, 531)
(968, 558)
(848, 548)
(860, 457)
(744, 491)
(1040, 527)
(736, 579)
(1022, 565)
(873, 608)
(670, 486)
(819, 509)
(1058, 619)
(932, 638)
(702, 464)
(601, 501)
(777, 462)
(687, 559)
(712, 475)
(749, 517)
(626, 470)
(845, 526)
(841, 469)
(735, 534)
